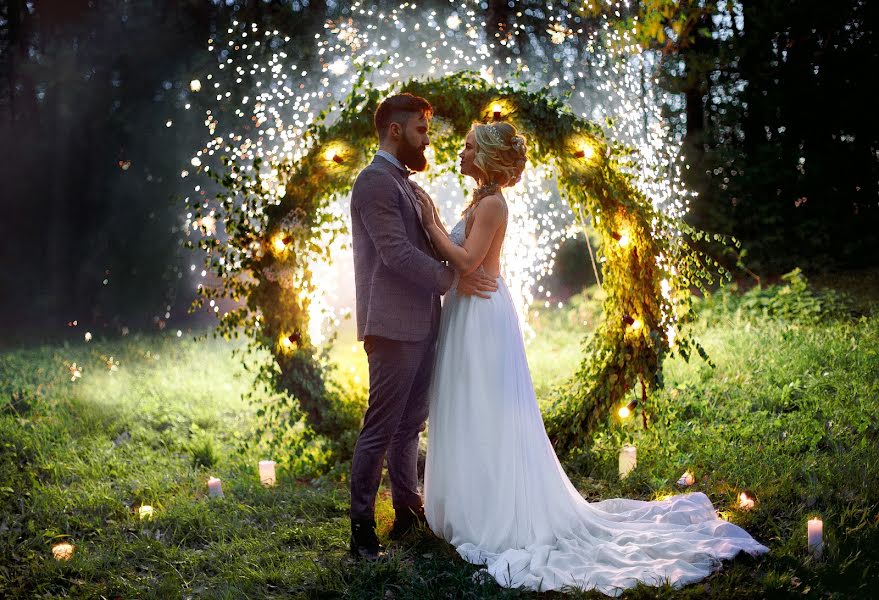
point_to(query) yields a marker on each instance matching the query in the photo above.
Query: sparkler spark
(271, 100)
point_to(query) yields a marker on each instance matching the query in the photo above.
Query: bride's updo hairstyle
(501, 153)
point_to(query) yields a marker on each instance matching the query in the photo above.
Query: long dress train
(496, 491)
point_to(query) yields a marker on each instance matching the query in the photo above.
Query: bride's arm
(488, 217)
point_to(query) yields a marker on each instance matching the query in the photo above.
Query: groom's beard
(412, 156)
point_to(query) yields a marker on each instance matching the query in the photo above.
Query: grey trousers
(399, 378)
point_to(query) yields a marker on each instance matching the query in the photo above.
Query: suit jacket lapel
(404, 186)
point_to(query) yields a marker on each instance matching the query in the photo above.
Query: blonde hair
(500, 153)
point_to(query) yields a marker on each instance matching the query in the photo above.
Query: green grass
(790, 413)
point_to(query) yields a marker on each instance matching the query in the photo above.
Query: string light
(586, 152)
(289, 342)
(332, 155)
(279, 242)
(274, 101)
(625, 411)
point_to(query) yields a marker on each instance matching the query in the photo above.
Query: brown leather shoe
(406, 521)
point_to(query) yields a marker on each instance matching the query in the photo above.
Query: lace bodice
(457, 234)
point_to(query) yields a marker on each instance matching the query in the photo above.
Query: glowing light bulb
(624, 239)
(278, 243)
(625, 411)
(332, 155)
(145, 511)
(586, 152)
(636, 324)
(496, 111)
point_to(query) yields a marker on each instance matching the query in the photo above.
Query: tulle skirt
(496, 491)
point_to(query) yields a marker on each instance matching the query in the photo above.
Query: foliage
(279, 221)
(777, 154)
(797, 425)
(794, 301)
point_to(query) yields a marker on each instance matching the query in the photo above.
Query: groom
(399, 280)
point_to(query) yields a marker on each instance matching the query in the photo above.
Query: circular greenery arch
(277, 225)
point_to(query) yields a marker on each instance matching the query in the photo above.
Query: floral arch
(277, 225)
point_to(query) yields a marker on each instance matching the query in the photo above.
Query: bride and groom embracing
(493, 486)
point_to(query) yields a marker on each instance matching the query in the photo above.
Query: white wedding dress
(495, 490)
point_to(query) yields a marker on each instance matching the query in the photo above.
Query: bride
(493, 485)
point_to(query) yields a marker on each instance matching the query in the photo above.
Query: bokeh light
(262, 102)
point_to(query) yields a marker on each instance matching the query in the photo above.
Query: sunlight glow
(265, 108)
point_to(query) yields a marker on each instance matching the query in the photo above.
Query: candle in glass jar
(215, 488)
(62, 551)
(628, 460)
(687, 479)
(267, 472)
(816, 537)
(745, 501)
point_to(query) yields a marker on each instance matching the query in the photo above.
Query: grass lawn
(790, 413)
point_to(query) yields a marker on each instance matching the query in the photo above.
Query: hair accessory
(495, 134)
(484, 190)
(518, 143)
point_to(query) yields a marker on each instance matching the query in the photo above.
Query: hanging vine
(278, 222)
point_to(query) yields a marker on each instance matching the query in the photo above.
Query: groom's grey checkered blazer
(397, 276)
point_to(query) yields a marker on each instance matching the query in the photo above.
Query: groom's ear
(395, 130)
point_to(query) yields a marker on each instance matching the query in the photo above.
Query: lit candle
(745, 501)
(267, 472)
(816, 537)
(687, 479)
(215, 488)
(62, 551)
(628, 460)
(145, 511)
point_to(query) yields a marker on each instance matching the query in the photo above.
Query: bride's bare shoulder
(492, 204)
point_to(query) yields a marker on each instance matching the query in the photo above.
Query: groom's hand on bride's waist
(478, 284)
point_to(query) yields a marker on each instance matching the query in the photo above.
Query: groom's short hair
(399, 109)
